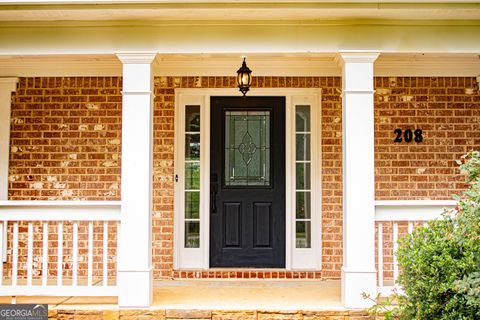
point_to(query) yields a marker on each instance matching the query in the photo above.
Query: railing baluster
(5, 241)
(105, 253)
(118, 245)
(30, 254)
(380, 254)
(410, 227)
(2, 244)
(75, 253)
(395, 247)
(90, 253)
(60, 254)
(45, 255)
(15, 254)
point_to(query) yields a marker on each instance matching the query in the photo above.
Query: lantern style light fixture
(244, 78)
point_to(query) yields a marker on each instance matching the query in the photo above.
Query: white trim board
(278, 64)
(411, 210)
(198, 258)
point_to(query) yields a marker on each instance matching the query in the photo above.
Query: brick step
(177, 314)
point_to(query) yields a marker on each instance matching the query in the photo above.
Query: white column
(7, 86)
(358, 270)
(135, 272)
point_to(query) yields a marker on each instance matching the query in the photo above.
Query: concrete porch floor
(248, 295)
(280, 295)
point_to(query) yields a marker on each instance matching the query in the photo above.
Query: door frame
(296, 258)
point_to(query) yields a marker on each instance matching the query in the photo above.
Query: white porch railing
(395, 219)
(40, 232)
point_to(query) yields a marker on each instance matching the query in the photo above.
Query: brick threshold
(248, 273)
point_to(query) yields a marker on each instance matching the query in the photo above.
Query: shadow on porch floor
(218, 295)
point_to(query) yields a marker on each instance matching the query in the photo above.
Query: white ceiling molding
(77, 10)
(310, 64)
(96, 2)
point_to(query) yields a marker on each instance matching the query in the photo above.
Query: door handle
(213, 200)
(213, 192)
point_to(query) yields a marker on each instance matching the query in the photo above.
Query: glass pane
(192, 205)
(192, 234)
(192, 118)
(303, 201)
(302, 146)
(303, 234)
(303, 176)
(192, 146)
(247, 148)
(302, 119)
(192, 175)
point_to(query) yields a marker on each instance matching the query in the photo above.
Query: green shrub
(440, 264)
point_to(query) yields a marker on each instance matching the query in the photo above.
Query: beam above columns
(358, 271)
(71, 37)
(135, 272)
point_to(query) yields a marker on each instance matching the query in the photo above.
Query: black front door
(247, 193)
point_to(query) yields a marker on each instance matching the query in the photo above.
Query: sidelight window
(192, 176)
(303, 190)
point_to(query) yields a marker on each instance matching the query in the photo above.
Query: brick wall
(65, 144)
(448, 112)
(65, 139)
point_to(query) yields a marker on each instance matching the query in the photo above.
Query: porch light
(244, 78)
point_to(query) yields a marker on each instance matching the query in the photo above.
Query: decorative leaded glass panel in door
(247, 148)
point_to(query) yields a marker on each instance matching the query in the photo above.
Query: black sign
(23, 311)
(408, 135)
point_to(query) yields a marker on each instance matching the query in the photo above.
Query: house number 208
(408, 135)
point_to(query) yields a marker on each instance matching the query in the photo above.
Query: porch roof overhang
(81, 37)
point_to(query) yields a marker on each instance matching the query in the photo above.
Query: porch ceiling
(206, 10)
(263, 64)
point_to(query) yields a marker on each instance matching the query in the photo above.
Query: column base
(354, 283)
(135, 289)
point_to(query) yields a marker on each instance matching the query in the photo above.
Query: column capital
(136, 57)
(351, 56)
(9, 83)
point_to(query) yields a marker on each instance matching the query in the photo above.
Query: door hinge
(176, 178)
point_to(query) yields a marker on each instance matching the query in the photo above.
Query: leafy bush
(440, 264)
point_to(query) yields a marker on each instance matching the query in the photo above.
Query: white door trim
(198, 258)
